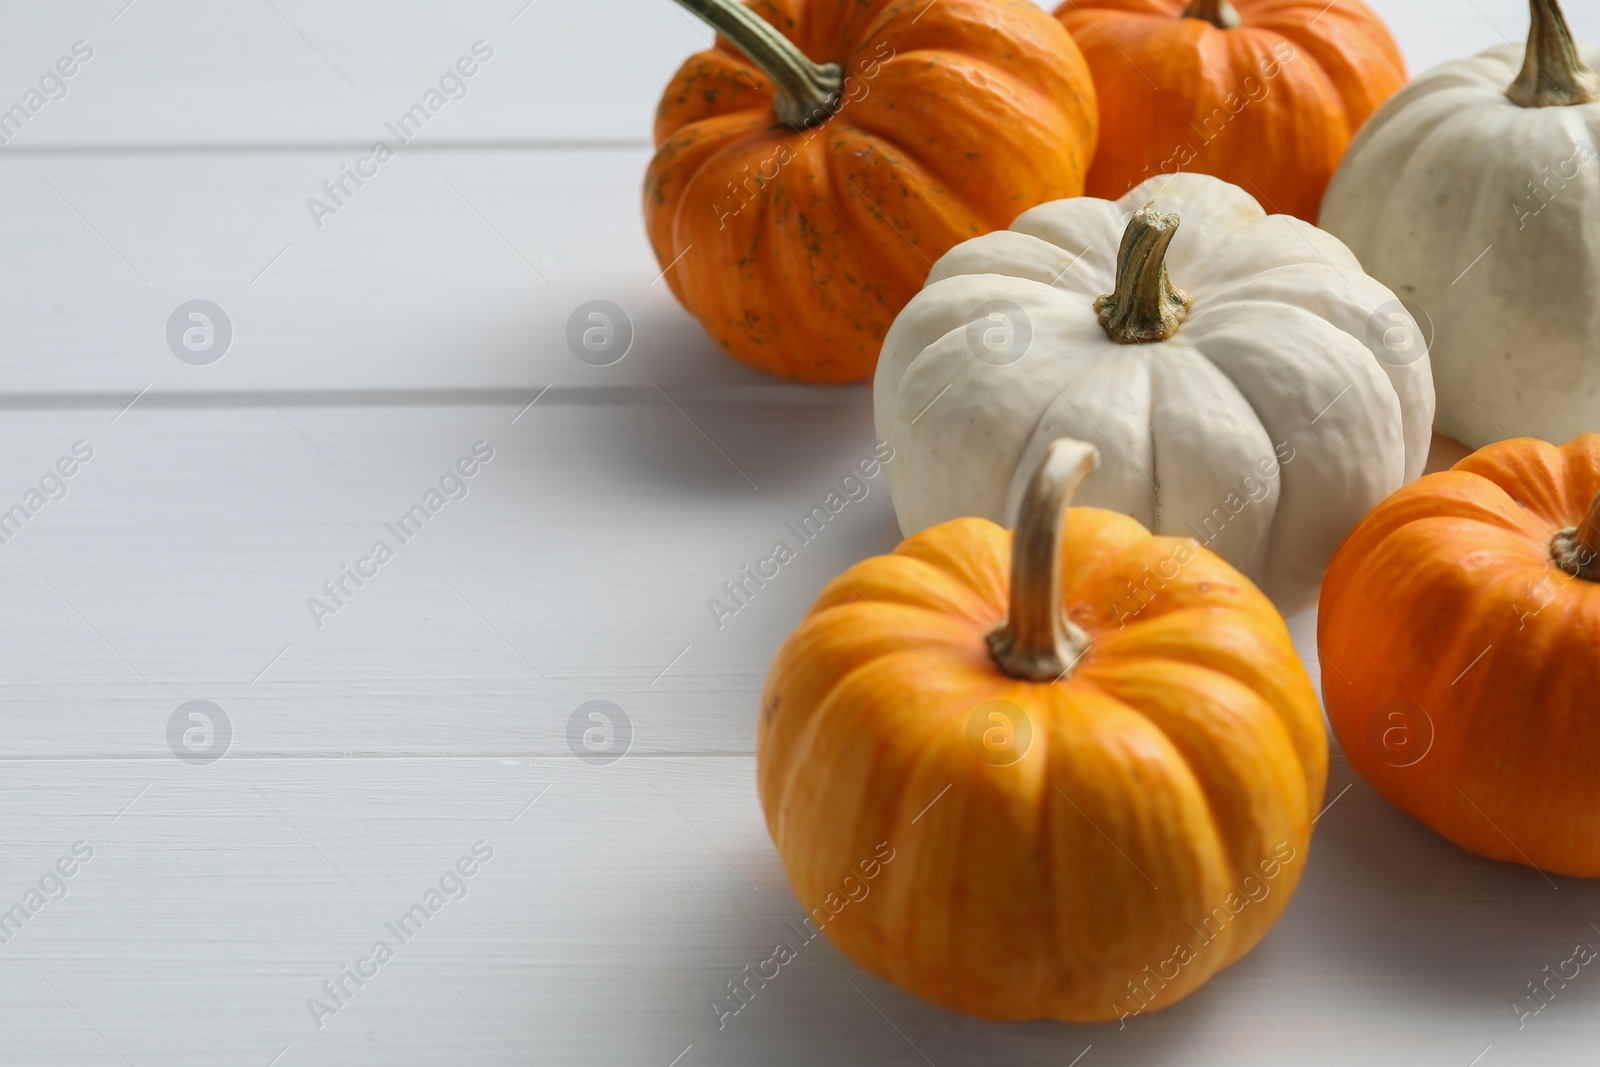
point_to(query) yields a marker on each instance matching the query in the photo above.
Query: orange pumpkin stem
(1576, 549)
(807, 93)
(1219, 13)
(1037, 641)
(1144, 307)
(1553, 73)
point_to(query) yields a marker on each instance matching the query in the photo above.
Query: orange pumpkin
(1460, 640)
(1265, 94)
(1021, 811)
(796, 204)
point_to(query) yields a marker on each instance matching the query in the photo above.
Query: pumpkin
(1458, 631)
(1228, 363)
(1262, 93)
(800, 190)
(990, 784)
(1473, 194)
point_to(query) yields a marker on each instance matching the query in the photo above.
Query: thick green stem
(1219, 13)
(1553, 73)
(1576, 549)
(807, 93)
(1037, 641)
(1144, 307)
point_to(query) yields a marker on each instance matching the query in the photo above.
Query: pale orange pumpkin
(1087, 812)
(813, 164)
(1265, 94)
(1460, 638)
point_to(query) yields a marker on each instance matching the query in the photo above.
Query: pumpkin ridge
(925, 753)
(883, 248)
(1581, 458)
(1347, 305)
(905, 164)
(1360, 578)
(1223, 811)
(800, 752)
(1461, 662)
(909, 582)
(993, 67)
(1080, 702)
(875, 30)
(1529, 474)
(722, 133)
(680, 160)
(1164, 377)
(1047, 410)
(868, 626)
(945, 633)
(793, 259)
(1307, 762)
(1199, 350)
(976, 534)
(1254, 674)
(1355, 103)
(1456, 578)
(1356, 368)
(715, 127)
(1001, 81)
(908, 763)
(1457, 504)
(1450, 126)
(703, 73)
(1261, 712)
(1247, 614)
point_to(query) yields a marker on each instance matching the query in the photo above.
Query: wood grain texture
(427, 712)
(295, 72)
(449, 270)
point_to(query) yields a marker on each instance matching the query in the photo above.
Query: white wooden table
(369, 750)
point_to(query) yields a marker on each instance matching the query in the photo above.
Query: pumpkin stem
(807, 93)
(1037, 641)
(1219, 13)
(1576, 549)
(1145, 307)
(1553, 74)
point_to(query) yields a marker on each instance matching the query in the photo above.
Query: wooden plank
(620, 903)
(449, 270)
(578, 566)
(293, 72)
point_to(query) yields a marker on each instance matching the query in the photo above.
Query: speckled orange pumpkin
(797, 203)
(1023, 812)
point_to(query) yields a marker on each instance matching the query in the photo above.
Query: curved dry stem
(807, 93)
(1219, 13)
(1037, 641)
(1144, 307)
(1553, 73)
(1576, 549)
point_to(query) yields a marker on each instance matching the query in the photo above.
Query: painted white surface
(428, 712)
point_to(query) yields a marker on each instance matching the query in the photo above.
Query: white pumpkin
(1475, 194)
(1261, 412)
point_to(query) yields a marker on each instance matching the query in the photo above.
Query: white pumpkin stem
(1553, 73)
(1037, 641)
(1144, 307)
(1219, 13)
(807, 93)
(1576, 549)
